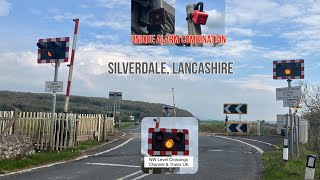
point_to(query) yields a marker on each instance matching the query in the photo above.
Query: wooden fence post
(104, 128)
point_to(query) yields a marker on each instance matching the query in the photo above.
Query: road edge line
(52, 164)
(120, 145)
(277, 147)
(255, 147)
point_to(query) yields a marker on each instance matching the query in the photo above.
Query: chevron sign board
(237, 127)
(235, 108)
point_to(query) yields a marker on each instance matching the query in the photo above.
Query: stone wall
(15, 146)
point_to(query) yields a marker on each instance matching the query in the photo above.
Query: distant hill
(42, 102)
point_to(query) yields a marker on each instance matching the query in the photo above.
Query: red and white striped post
(71, 64)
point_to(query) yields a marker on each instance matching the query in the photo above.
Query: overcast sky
(258, 32)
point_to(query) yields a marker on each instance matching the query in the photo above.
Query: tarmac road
(219, 158)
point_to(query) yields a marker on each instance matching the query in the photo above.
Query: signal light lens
(178, 137)
(160, 136)
(49, 54)
(169, 143)
(287, 71)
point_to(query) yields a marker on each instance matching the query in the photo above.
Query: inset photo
(178, 23)
(202, 21)
(152, 17)
(169, 145)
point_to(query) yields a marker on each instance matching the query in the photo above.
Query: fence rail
(68, 129)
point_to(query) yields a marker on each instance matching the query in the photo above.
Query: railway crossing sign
(52, 86)
(115, 96)
(290, 103)
(288, 69)
(235, 108)
(164, 140)
(288, 93)
(53, 50)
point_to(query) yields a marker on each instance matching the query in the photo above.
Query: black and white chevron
(237, 127)
(235, 108)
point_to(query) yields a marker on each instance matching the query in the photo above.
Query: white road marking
(120, 145)
(248, 152)
(140, 177)
(220, 150)
(262, 142)
(108, 164)
(258, 149)
(129, 175)
(216, 150)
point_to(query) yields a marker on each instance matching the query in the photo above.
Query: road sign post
(291, 124)
(53, 50)
(289, 69)
(115, 96)
(54, 99)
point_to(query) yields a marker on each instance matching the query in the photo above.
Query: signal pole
(54, 100)
(193, 29)
(174, 104)
(291, 125)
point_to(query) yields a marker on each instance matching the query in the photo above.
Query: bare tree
(311, 111)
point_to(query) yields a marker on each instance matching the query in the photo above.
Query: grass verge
(275, 168)
(44, 157)
(215, 127)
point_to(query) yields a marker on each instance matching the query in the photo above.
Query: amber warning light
(169, 143)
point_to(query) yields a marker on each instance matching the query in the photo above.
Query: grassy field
(127, 125)
(213, 126)
(44, 157)
(275, 168)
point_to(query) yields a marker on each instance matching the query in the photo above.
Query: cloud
(259, 12)
(110, 4)
(122, 22)
(241, 31)
(58, 16)
(215, 19)
(5, 8)
(107, 37)
(234, 49)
